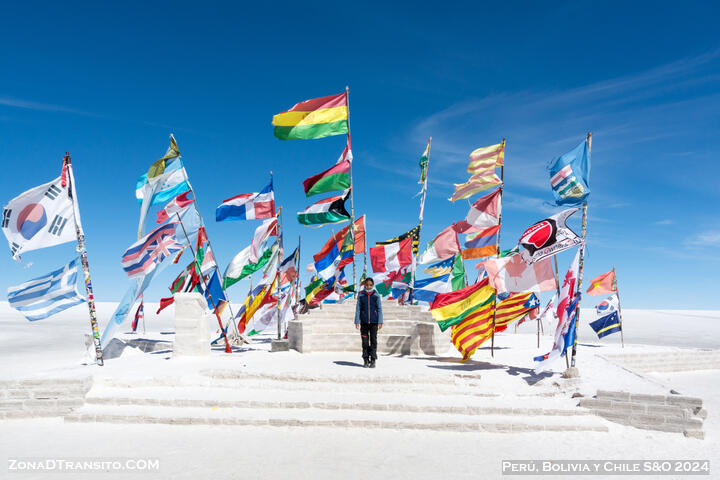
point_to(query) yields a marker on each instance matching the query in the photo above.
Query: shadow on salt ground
(590, 345)
(167, 333)
(531, 377)
(343, 363)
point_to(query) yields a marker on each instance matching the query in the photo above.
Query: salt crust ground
(54, 348)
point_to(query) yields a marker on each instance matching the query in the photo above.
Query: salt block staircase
(41, 397)
(367, 399)
(407, 330)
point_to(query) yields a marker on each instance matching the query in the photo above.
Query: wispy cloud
(43, 107)
(666, 221)
(705, 239)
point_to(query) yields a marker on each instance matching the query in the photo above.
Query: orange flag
(603, 284)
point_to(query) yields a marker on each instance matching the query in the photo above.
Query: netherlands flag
(248, 206)
(144, 255)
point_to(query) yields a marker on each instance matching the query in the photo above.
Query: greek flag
(47, 295)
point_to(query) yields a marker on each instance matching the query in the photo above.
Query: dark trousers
(368, 332)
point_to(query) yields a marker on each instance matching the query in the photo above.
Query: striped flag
(513, 307)
(139, 315)
(327, 210)
(175, 206)
(144, 255)
(475, 184)
(487, 158)
(248, 206)
(481, 244)
(473, 330)
(452, 308)
(315, 118)
(426, 289)
(41, 297)
(386, 258)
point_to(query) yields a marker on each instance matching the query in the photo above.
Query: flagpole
(352, 190)
(582, 260)
(297, 267)
(617, 292)
(422, 211)
(497, 246)
(202, 222)
(85, 265)
(279, 262)
(205, 286)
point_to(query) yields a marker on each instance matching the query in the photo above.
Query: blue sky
(110, 84)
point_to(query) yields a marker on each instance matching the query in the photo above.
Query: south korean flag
(41, 217)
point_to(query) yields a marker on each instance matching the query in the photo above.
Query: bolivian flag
(316, 118)
(452, 308)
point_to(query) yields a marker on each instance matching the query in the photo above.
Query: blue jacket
(368, 308)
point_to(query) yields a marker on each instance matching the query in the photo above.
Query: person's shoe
(372, 363)
(366, 364)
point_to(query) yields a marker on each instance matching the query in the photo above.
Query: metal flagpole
(352, 191)
(617, 292)
(205, 286)
(423, 173)
(497, 246)
(84, 261)
(582, 261)
(297, 267)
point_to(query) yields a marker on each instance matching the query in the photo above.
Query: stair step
(331, 418)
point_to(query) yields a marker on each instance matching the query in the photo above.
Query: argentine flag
(47, 295)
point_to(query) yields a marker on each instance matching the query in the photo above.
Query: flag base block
(571, 372)
(279, 345)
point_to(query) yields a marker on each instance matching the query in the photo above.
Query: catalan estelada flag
(452, 308)
(513, 307)
(316, 118)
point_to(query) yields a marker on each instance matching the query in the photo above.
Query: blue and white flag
(570, 175)
(427, 288)
(248, 206)
(608, 317)
(47, 295)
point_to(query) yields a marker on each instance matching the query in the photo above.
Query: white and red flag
(268, 228)
(485, 212)
(512, 274)
(392, 256)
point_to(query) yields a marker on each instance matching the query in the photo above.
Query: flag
(359, 235)
(176, 205)
(40, 217)
(254, 301)
(512, 274)
(473, 330)
(346, 251)
(444, 245)
(327, 210)
(334, 178)
(608, 320)
(187, 281)
(481, 244)
(263, 318)
(144, 255)
(487, 158)
(511, 307)
(427, 288)
(287, 269)
(267, 229)
(392, 256)
(424, 161)
(457, 277)
(248, 206)
(452, 308)
(485, 212)
(413, 232)
(603, 284)
(326, 262)
(548, 237)
(565, 314)
(570, 174)
(385, 280)
(464, 227)
(475, 184)
(166, 179)
(139, 315)
(208, 262)
(548, 312)
(44, 296)
(441, 268)
(316, 118)
(214, 293)
(241, 266)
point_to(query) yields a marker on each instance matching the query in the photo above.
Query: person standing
(368, 319)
